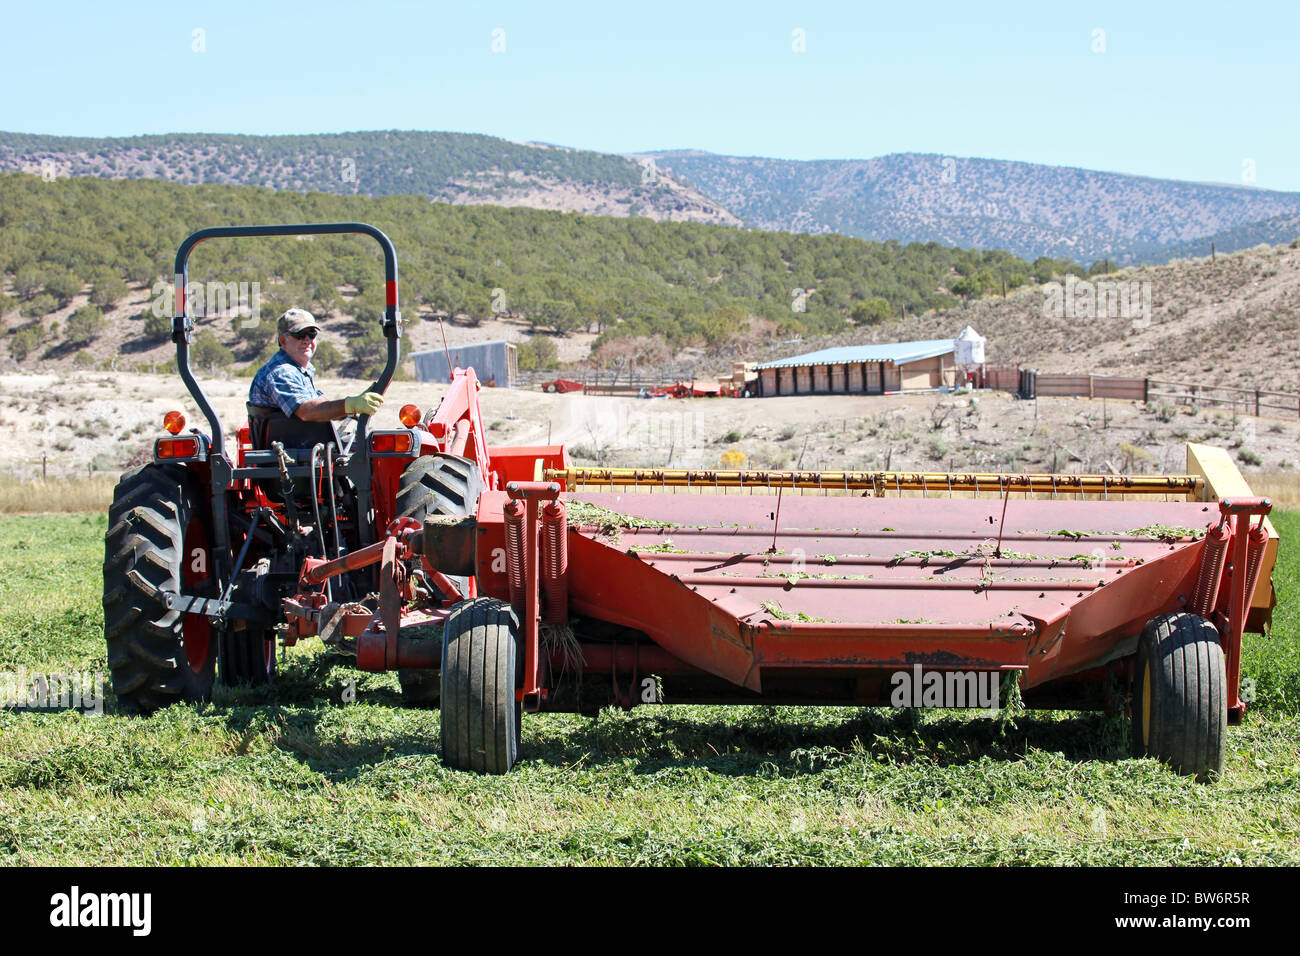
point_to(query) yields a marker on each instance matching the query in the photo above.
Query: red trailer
(562, 385)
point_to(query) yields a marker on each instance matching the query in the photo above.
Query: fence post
(1091, 390)
(1146, 390)
(1257, 403)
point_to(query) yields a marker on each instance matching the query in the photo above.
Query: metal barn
(495, 363)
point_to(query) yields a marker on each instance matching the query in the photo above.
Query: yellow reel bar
(881, 483)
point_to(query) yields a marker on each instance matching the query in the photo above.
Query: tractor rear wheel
(435, 485)
(482, 665)
(157, 542)
(1180, 700)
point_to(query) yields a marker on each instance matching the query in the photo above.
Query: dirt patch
(83, 421)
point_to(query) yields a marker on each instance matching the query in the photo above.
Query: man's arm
(321, 410)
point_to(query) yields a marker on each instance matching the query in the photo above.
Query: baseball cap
(296, 320)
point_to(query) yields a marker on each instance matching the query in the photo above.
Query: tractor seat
(268, 424)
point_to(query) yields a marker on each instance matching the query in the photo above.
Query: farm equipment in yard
(562, 385)
(502, 580)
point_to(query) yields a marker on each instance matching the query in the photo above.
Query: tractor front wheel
(435, 485)
(1180, 700)
(157, 542)
(481, 667)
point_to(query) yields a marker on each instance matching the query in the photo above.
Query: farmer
(285, 382)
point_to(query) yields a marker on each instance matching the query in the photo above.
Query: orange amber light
(174, 422)
(178, 448)
(409, 415)
(396, 442)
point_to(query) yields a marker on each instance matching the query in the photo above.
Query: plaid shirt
(284, 384)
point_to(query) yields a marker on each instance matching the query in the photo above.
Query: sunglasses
(306, 334)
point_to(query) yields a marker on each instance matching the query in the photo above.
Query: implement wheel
(157, 539)
(1180, 699)
(482, 665)
(435, 485)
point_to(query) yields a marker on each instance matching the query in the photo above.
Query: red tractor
(498, 580)
(204, 546)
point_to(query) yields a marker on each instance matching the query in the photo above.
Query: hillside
(460, 168)
(1231, 321)
(1030, 210)
(79, 258)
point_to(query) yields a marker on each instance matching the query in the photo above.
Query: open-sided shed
(861, 369)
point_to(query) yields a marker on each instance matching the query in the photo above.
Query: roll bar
(183, 325)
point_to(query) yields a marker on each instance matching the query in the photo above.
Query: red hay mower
(498, 580)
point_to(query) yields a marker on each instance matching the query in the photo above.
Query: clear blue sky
(1182, 90)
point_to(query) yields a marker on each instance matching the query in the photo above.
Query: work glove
(367, 403)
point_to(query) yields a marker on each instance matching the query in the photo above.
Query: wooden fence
(1028, 383)
(1244, 401)
(1035, 384)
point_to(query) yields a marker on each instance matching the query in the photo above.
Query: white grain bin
(968, 348)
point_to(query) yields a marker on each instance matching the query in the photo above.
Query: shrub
(83, 359)
(84, 324)
(27, 282)
(872, 311)
(38, 307)
(26, 340)
(63, 285)
(327, 356)
(108, 288)
(539, 352)
(206, 350)
(1250, 457)
(156, 326)
(1133, 455)
(730, 438)
(370, 346)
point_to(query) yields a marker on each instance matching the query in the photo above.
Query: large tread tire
(248, 657)
(155, 508)
(434, 485)
(1180, 699)
(482, 664)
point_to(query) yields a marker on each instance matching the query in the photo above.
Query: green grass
(295, 776)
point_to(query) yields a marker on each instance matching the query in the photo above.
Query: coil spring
(555, 562)
(514, 529)
(1207, 580)
(1255, 543)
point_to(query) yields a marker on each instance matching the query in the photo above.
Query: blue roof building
(862, 369)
